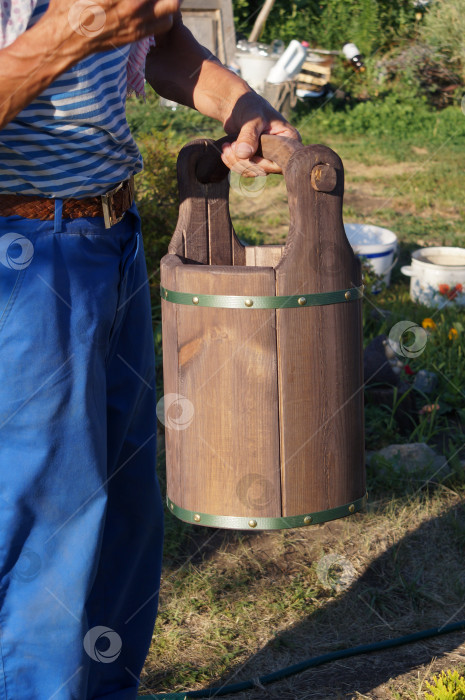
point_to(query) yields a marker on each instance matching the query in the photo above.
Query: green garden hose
(310, 663)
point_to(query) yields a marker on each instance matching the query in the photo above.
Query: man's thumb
(244, 148)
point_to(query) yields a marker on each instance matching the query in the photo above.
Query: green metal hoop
(259, 523)
(262, 302)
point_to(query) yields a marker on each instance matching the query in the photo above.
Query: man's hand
(66, 33)
(103, 25)
(252, 116)
(180, 69)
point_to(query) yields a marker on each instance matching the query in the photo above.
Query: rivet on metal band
(226, 301)
(264, 523)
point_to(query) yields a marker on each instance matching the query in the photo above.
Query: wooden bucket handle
(210, 167)
(316, 246)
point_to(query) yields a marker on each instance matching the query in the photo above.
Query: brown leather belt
(112, 205)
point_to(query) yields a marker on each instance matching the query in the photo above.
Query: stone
(378, 313)
(378, 367)
(425, 381)
(415, 457)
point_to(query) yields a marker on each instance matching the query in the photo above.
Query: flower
(429, 408)
(453, 333)
(453, 293)
(428, 323)
(408, 370)
(448, 292)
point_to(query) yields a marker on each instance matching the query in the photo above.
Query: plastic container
(255, 61)
(437, 276)
(255, 68)
(289, 64)
(352, 54)
(378, 245)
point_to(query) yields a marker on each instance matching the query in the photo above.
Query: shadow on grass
(416, 583)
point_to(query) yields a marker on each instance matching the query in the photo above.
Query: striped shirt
(73, 140)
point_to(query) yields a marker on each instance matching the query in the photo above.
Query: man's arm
(180, 69)
(59, 40)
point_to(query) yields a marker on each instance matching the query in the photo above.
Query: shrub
(157, 198)
(449, 685)
(443, 30)
(371, 24)
(422, 70)
(287, 20)
(397, 115)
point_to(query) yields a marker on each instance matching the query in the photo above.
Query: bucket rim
(417, 260)
(350, 227)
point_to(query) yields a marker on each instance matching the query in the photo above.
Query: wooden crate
(212, 24)
(262, 352)
(314, 75)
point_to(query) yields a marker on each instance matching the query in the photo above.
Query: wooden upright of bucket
(262, 352)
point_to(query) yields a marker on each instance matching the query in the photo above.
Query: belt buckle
(109, 215)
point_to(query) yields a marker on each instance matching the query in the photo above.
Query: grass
(236, 605)
(247, 604)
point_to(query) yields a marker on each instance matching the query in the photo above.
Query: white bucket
(437, 276)
(255, 68)
(378, 245)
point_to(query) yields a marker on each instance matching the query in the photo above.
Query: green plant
(288, 20)
(157, 198)
(419, 69)
(396, 114)
(443, 30)
(371, 24)
(449, 685)
(177, 126)
(157, 202)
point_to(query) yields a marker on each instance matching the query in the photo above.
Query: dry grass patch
(250, 603)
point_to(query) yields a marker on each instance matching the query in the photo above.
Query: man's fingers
(163, 25)
(248, 167)
(162, 8)
(247, 140)
(243, 150)
(267, 166)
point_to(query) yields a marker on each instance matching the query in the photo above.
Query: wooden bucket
(262, 352)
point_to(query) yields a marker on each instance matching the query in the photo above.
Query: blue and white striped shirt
(73, 140)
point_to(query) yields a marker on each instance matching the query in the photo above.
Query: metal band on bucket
(262, 302)
(376, 255)
(261, 523)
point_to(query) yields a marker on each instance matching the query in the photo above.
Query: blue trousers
(81, 519)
